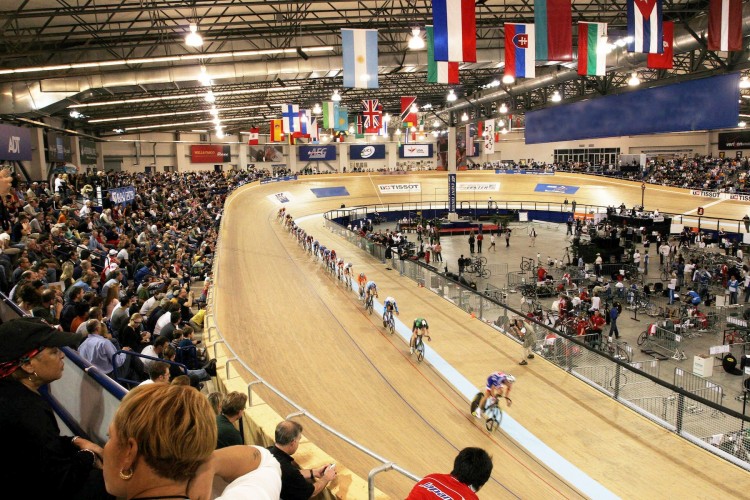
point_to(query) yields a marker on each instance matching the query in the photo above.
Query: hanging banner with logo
(367, 152)
(317, 153)
(734, 140)
(15, 143)
(88, 152)
(400, 188)
(122, 196)
(58, 147)
(209, 153)
(268, 180)
(415, 151)
(452, 193)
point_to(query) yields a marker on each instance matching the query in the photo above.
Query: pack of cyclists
(498, 384)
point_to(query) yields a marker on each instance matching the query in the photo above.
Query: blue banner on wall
(278, 179)
(122, 196)
(670, 108)
(451, 193)
(330, 192)
(555, 188)
(415, 151)
(367, 152)
(15, 143)
(317, 153)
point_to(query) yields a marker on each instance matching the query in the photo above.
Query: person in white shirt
(250, 471)
(158, 372)
(595, 303)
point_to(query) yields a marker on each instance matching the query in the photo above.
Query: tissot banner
(400, 188)
(15, 143)
(209, 153)
(415, 151)
(367, 152)
(317, 153)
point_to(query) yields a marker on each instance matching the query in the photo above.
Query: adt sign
(15, 143)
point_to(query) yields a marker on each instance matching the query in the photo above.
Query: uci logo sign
(367, 152)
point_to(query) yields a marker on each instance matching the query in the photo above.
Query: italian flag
(592, 49)
(439, 71)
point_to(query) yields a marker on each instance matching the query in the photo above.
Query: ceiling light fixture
(210, 97)
(745, 82)
(75, 114)
(416, 42)
(503, 108)
(204, 78)
(317, 109)
(504, 131)
(414, 108)
(213, 112)
(634, 81)
(464, 117)
(193, 39)
(742, 124)
(556, 97)
(508, 79)
(336, 97)
(436, 123)
(451, 97)
(398, 131)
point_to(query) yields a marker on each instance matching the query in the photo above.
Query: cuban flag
(644, 26)
(290, 118)
(454, 30)
(360, 56)
(519, 50)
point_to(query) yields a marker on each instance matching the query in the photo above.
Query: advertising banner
(511, 171)
(367, 152)
(400, 188)
(88, 152)
(209, 153)
(478, 187)
(415, 151)
(452, 193)
(734, 140)
(555, 188)
(59, 147)
(268, 180)
(15, 143)
(280, 198)
(317, 153)
(123, 195)
(705, 194)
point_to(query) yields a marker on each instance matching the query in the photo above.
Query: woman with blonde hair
(112, 300)
(159, 437)
(67, 273)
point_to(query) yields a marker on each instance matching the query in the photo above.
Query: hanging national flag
(360, 127)
(408, 117)
(373, 115)
(664, 60)
(360, 54)
(519, 50)
(383, 124)
(489, 138)
(277, 131)
(290, 115)
(553, 28)
(314, 132)
(439, 71)
(330, 114)
(305, 118)
(644, 26)
(725, 25)
(342, 124)
(455, 30)
(252, 139)
(592, 49)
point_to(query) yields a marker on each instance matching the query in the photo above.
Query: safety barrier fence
(667, 341)
(637, 386)
(215, 335)
(698, 385)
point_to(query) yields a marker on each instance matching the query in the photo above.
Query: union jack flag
(373, 114)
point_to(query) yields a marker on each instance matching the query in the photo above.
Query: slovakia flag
(519, 50)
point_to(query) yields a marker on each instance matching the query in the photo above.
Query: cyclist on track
(419, 328)
(361, 281)
(371, 289)
(498, 386)
(389, 306)
(348, 273)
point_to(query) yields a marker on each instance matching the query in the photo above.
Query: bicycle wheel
(369, 306)
(496, 418)
(641, 338)
(622, 353)
(475, 402)
(420, 351)
(482, 260)
(391, 325)
(484, 273)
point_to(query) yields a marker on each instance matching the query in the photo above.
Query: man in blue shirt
(614, 313)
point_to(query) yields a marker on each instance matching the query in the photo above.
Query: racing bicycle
(368, 303)
(492, 412)
(388, 321)
(419, 347)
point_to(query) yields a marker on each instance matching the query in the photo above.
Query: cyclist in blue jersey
(389, 306)
(498, 386)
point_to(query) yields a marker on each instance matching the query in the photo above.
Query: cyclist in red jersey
(471, 470)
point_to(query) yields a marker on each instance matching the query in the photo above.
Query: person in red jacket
(471, 470)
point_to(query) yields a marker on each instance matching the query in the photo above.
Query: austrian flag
(644, 26)
(455, 30)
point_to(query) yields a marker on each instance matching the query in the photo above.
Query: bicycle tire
(494, 422)
(420, 351)
(622, 353)
(475, 402)
(641, 338)
(485, 273)
(391, 326)
(482, 260)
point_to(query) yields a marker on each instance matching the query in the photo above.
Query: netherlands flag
(455, 30)
(519, 50)
(644, 26)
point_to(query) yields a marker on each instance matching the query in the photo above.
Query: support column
(37, 167)
(343, 157)
(451, 149)
(292, 158)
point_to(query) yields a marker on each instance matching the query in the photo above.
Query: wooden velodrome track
(308, 337)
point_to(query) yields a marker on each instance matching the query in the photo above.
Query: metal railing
(636, 386)
(212, 307)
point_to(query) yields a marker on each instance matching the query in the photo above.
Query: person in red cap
(55, 466)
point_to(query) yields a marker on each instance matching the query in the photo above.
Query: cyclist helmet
(510, 378)
(420, 323)
(361, 275)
